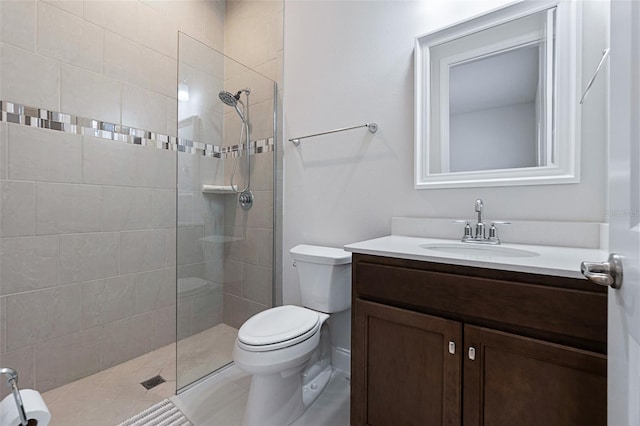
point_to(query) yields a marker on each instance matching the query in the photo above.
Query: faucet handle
(493, 231)
(467, 229)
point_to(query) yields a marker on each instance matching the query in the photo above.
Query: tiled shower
(103, 221)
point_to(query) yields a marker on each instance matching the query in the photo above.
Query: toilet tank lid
(319, 254)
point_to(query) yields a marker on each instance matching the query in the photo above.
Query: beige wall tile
(23, 361)
(237, 310)
(189, 15)
(185, 208)
(117, 163)
(29, 79)
(125, 208)
(164, 326)
(18, 23)
(72, 6)
(170, 244)
(144, 109)
(158, 5)
(117, 16)
(43, 155)
(69, 39)
(163, 208)
(233, 274)
(265, 247)
(201, 57)
(190, 248)
(108, 162)
(128, 61)
(262, 120)
(142, 250)
(28, 263)
(261, 214)
(17, 209)
(89, 94)
(188, 172)
(126, 339)
(155, 290)
(214, 24)
(244, 247)
(3, 151)
(212, 172)
(256, 284)
(64, 208)
(156, 168)
(107, 300)
(68, 358)
(207, 308)
(262, 172)
(198, 271)
(157, 30)
(164, 74)
(42, 315)
(172, 116)
(183, 317)
(3, 323)
(86, 257)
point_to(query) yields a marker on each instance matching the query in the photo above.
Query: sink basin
(470, 249)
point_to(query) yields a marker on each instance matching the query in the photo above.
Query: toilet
(287, 349)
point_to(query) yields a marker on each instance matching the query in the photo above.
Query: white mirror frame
(566, 101)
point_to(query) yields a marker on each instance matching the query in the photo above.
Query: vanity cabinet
(437, 344)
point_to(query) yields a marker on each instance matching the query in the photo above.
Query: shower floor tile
(114, 395)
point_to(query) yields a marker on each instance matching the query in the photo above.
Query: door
(406, 367)
(544, 383)
(624, 218)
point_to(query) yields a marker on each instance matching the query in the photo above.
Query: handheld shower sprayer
(228, 98)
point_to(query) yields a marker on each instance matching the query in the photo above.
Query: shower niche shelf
(217, 189)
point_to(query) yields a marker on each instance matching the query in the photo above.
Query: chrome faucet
(479, 237)
(480, 233)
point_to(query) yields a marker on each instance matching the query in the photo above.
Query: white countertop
(551, 260)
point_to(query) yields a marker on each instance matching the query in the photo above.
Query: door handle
(608, 274)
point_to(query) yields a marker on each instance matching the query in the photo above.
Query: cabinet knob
(452, 347)
(472, 353)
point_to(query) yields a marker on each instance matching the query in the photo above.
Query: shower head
(233, 100)
(228, 98)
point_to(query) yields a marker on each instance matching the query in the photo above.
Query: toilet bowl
(287, 349)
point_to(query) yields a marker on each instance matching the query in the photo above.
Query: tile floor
(113, 395)
(221, 399)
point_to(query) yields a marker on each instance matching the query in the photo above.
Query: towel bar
(372, 127)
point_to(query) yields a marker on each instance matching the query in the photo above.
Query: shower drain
(152, 382)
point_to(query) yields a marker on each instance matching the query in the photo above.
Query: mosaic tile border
(11, 112)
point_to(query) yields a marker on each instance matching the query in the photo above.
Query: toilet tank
(324, 274)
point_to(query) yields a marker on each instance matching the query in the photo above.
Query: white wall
(349, 62)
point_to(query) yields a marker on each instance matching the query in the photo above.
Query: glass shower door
(225, 253)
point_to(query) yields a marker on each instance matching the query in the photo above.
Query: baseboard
(341, 359)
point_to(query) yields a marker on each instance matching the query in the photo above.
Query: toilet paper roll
(34, 407)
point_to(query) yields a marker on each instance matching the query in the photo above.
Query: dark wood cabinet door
(402, 370)
(516, 380)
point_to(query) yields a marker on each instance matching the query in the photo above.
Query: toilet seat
(278, 328)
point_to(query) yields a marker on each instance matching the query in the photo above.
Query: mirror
(496, 99)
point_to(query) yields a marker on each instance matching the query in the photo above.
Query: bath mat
(162, 414)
